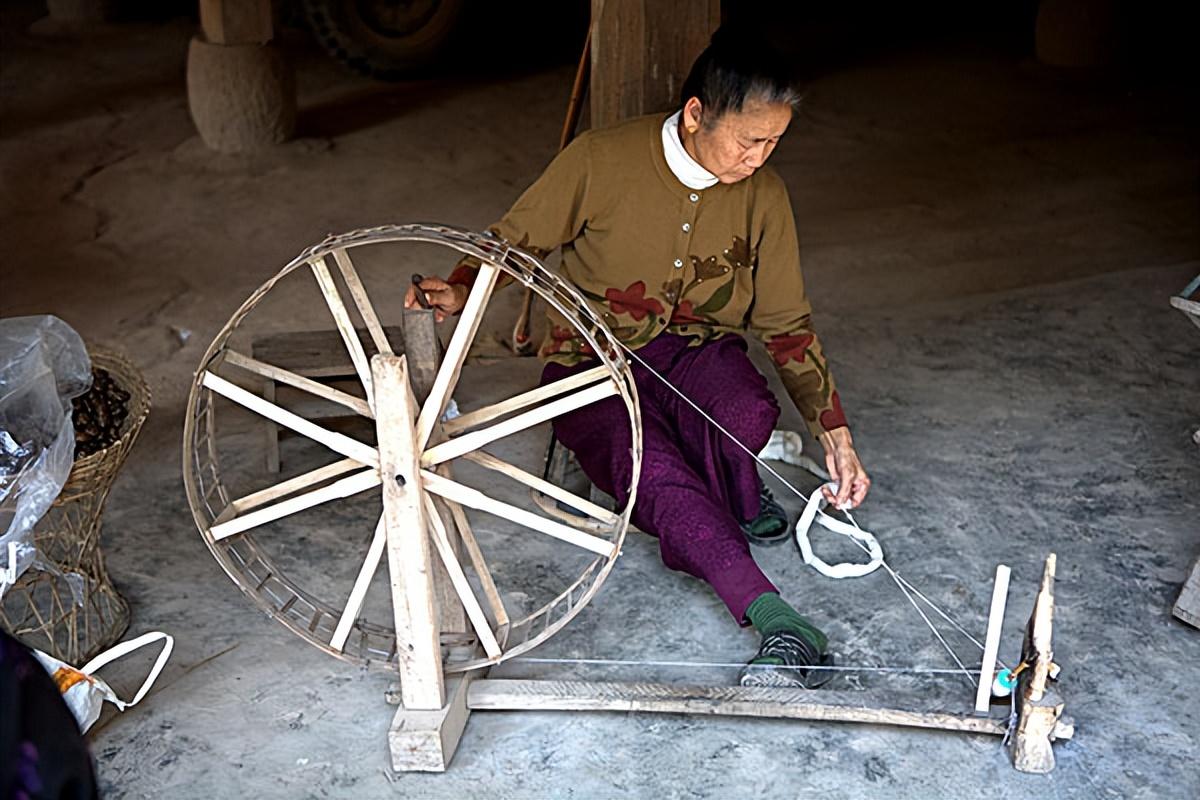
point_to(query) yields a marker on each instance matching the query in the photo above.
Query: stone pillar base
(242, 96)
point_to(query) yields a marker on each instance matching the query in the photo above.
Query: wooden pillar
(241, 91)
(642, 51)
(1039, 705)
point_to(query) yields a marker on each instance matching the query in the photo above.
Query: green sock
(770, 613)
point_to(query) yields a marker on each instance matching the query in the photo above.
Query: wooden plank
(1187, 607)
(273, 373)
(479, 416)
(458, 579)
(346, 487)
(472, 498)
(358, 592)
(316, 354)
(345, 327)
(1039, 709)
(991, 644)
(488, 461)
(471, 545)
(642, 52)
(358, 294)
(425, 741)
(423, 348)
(474, 440)
(456, 353)
(742, 701)
(419, 650)
(339, 443)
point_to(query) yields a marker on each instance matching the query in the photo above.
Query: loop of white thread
(817, 503)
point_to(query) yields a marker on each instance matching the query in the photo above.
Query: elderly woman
(682, 240)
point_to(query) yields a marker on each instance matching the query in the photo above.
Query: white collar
(686, 169)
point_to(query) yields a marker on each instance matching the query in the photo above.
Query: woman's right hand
(446, 298)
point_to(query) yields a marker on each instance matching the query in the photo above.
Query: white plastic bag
(43, 365)
(85, 694)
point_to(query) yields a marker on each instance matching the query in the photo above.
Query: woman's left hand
(844, 468)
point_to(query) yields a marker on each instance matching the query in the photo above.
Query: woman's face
(737, 143)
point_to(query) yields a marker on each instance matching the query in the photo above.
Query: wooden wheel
(244, 529)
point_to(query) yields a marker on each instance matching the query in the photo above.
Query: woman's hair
(737, 68)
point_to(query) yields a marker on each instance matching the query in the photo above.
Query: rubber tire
(338, 27)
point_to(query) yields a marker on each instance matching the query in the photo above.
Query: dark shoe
(793, 662)
(771, 526)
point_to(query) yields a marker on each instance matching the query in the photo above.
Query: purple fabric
(695, 484)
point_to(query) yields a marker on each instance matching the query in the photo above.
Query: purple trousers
(695, 485)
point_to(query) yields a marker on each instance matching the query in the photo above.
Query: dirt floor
(989, 245)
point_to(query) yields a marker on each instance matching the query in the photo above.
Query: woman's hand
(844, 468)
(446, 298)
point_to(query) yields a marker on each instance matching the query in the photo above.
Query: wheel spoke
(345, 327)
(456, 353)
(462, 587)
(339, 443)
(463, 525)
(472, 498)
(358, 594)
(360, 482)
(293, 485)
(489, 461)
(358, 293)
(274, 373)
(477, 439)
(487, 413)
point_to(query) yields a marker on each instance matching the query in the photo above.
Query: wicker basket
(73, 618)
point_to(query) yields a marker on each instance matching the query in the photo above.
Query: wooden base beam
(425, 741)
(739, 701)
(1187, 607)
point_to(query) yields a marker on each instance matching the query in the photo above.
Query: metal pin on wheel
(421, 298)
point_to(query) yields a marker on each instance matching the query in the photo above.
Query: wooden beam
(358, 593)
(345, 327)
(293, 485)
(456, 352)
(337, 442)
(425, 741)
(481, 415)
(473, 498)
(991, 644)
(358, 294)
(459, 580)
(1039, 708)
(346, 487)
(488, 461)
(641, 53)
(417, 635)
(274, 373)
(744, 701)
(476, 439)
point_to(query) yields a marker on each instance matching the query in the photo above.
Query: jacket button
(686, 227)
(693, 197)
(679, 263)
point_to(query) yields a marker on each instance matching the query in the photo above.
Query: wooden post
(408, 548)
(983, 695)
(642, 51)
(1038, 705)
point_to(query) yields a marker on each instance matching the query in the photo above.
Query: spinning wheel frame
(253, 570)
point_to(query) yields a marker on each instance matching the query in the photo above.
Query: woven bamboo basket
(72, 610)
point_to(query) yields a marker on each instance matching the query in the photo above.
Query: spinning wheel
(409, 464)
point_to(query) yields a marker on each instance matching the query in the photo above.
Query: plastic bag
(43, 366)
(85, 694)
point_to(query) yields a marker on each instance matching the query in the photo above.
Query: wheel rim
(228, 525)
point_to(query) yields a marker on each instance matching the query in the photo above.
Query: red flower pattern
(789, 348)
(685, 314)
(633, 301)
(833, 417)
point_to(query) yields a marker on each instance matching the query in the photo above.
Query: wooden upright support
(642, 51)
(410, 566)
(1039, 706)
